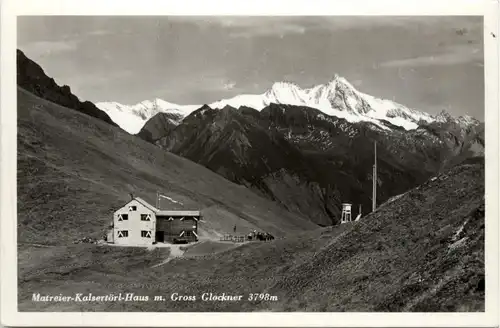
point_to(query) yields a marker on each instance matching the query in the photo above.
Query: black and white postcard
(270, 163)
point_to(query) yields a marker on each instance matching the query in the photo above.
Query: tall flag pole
(374, 177)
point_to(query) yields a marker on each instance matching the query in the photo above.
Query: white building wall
(133, 225)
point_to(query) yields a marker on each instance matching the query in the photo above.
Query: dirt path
(175, 251)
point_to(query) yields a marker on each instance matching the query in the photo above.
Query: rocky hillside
(462, 138)
(310, 162)
(31, 77)
(423, 251)
(238, 148)
(158, 126)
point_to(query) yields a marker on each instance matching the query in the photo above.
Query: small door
(160, 236)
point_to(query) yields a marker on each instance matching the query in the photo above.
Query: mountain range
(421, 251)
(310, 150)
(311, 163)
(336, 98)
(75, 169)
(309, 158)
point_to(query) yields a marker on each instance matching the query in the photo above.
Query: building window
(122, 217)
(146, 233)
(132, 208)
(145, 217)
(122, 233)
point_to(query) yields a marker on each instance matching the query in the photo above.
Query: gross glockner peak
(336, 97)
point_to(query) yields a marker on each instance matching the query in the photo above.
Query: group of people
(257, 235)
(263, 236)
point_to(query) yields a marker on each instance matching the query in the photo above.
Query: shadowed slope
(158, 126)
(238, 148)
(310, 163)
(74, 171)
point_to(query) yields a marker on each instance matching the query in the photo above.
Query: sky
(429, 63)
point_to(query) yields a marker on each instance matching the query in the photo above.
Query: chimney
(131, 196)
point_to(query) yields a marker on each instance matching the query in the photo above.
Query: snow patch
(457, 244)
(459, 231)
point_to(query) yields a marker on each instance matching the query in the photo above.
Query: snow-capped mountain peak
(443, 116)
(337, 97)
(132, 118)
(337, 79)
(467, 120)
(285, 93)
(464, 120)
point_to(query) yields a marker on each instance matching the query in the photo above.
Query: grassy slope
(401, 258)
(407, 256)
(396, 259)
(249, 268)
(74, 170)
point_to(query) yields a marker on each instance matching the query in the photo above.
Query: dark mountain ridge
(32, 78)
(310, 162)
(158, 125)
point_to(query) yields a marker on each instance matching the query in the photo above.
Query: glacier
(337, 98)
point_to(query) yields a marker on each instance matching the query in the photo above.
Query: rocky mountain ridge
(310, 162)
(31, 77)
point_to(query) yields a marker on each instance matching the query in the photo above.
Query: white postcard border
(12, 8)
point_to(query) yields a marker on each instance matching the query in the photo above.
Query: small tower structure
(346, 213)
